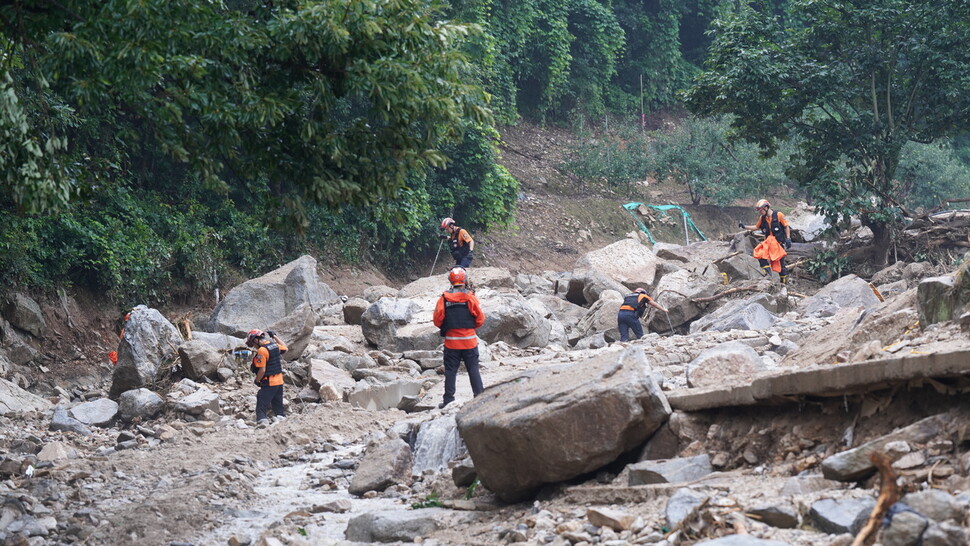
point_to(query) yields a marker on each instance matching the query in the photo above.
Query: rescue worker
(460, 243)
(458, 314)
(632, 310)
(268, 367)
(772, 251)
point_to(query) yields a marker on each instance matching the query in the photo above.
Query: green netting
(688, 223)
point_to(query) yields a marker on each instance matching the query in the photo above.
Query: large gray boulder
(848, 291)
(728, 362)
(585, 286)
(199, 359)
(600, 318)
(100, 413)
(510, 318)
(555, 423)
(944, 298)
(296, 330)
(260, 302)
(676, 292)
(399, 324)
(735, 315)
(394, 525)
(628, 262)
(139, 404)
(14, 400)
(384, 464)
(25, 313)
(149, 341)
(566, 312)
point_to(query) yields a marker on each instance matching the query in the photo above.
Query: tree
(328, 101)
(854, 80)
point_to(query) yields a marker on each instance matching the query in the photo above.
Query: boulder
(559, 422)
(383, 395)
(731, 361)
(387, 324)
(627, 261)
(149, 341)
(99, 413)
(677, 470)
(330, 382)
(394, 525)
(219, 342)
(260, 302)
(854, 464)
(376, 292)
(848, 291)
(566, 312)
(429, 288)
(585, 286)
(682, 504)
(739, 267)
(61, 420)
(839, 516)
(384, 464)
(735, 315)
(14, 400)
(944, 298)
(675, 292)
(510, 318)
(25, 313)
(600, 318)
(296, 330)
(139, 404)
(198, 402)
(528, 285)
(353, 309)
(199, 359)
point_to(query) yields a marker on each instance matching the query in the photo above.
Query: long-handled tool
(440, 243)
(669, 323)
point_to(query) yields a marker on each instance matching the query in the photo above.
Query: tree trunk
(881, 242)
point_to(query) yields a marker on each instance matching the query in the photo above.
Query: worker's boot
(784, 279)
(764, 270)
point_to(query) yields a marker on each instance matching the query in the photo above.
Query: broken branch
(888, 495)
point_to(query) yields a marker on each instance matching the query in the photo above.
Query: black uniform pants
(269, 396)
(453, 360)
(626, 321)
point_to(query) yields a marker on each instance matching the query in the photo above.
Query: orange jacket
(459, 338)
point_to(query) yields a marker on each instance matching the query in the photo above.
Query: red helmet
(456, 276)
(640, 291)
(253, 337)
(447, 222)
(762, 203)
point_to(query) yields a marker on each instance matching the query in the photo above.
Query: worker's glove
(787, 244)
(256, 382)
(741, 225)
(271, 333)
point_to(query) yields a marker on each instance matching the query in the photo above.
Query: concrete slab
(828, 380)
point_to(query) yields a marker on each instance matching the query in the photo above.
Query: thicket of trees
(156, 148)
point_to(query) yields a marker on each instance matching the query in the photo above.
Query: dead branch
(725, 293)
(888, 495)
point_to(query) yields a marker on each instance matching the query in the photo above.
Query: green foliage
(611, 161)
(329, 101)
(472, 488)
(698, 154)
(430, 501)
(854, 80)
(929, 174)
(695, 153)
(827, 265)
